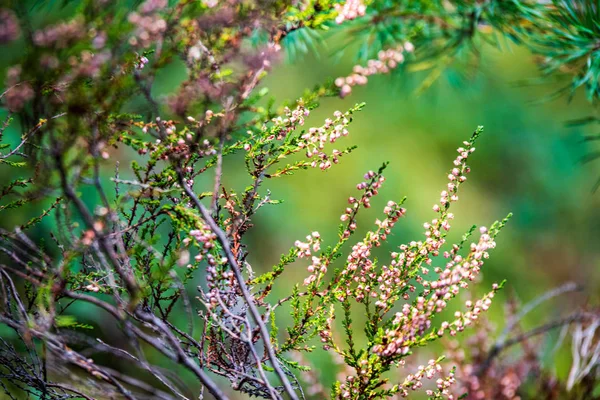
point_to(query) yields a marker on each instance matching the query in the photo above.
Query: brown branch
(250, 301)
(567, 287)
(500, 347)
(218, 176)
(180, 355)
(126, 276)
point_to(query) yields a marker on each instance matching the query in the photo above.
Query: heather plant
(165, 233)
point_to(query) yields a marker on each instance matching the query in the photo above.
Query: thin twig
(567, 287)
(500, 347)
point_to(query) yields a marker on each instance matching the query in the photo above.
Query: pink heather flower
(415, 319)
(150, 26)
(313, 243)
(93, 287)
(386, 61)
(350, 10)
(9, 26)
(345, 91)
(315, 139)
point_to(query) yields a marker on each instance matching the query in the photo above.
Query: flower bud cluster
(203, 237)
(351, 9)
(18, 92)
(456, 177)
(176, 144)
(204, 240)
(360, 269)
(292, 120)
(414, 320)
(467, 318)
(9, 26)
(353, 384)
(210, 3)
(141, 63)
(150, 6)
(455, 353)
(315, 139)
(435, 231)
(370, 188)
(205, 120)
(313, 243)
(443, 386)
(150, 26)
(220, 282)
(415, 381)
(93, 287)
(318, 267)
(282, 126)
(326, 336)
(89, 65)
(59, 36)
(386, 61)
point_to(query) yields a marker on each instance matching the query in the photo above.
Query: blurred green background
(528, 161)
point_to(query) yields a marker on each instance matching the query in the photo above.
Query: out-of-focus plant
(563, 35)
(510, 364)
(133, 249)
